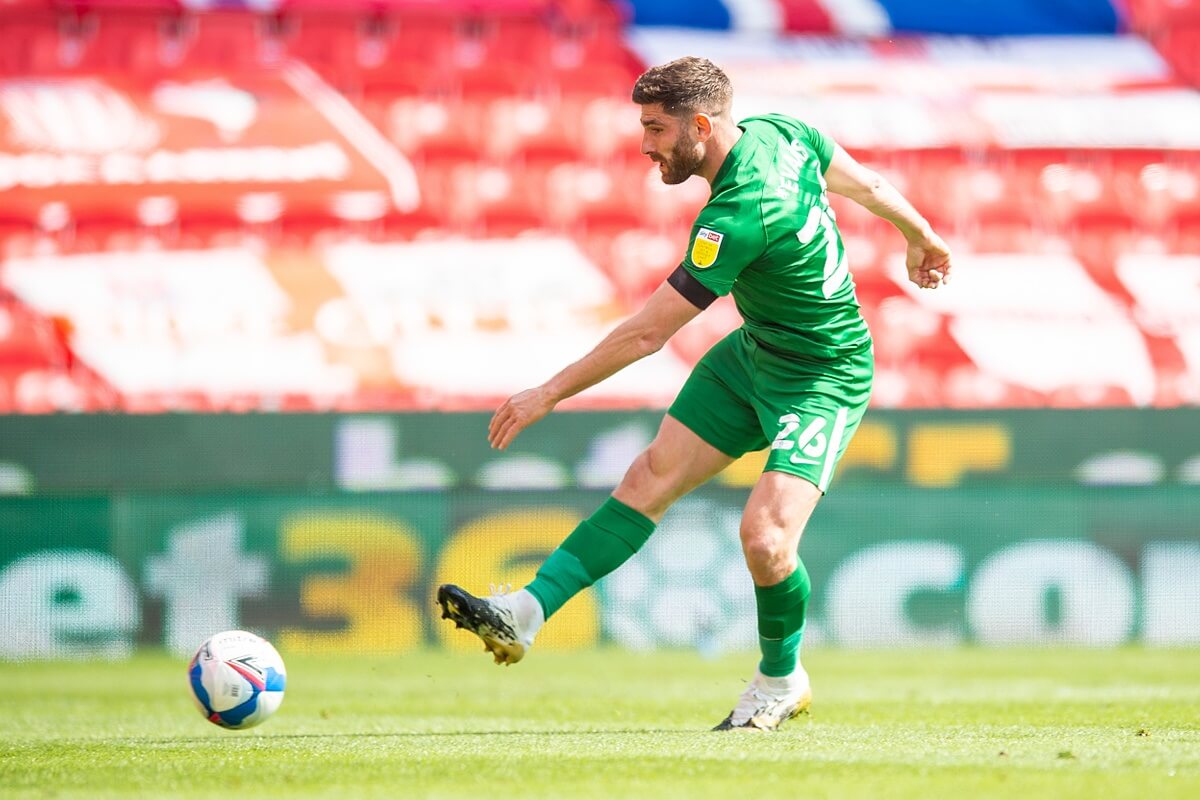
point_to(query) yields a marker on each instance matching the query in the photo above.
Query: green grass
(1025, 725)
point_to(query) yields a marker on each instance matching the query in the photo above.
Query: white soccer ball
(237, 679)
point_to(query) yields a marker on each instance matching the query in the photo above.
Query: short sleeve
(821, 144)
(726, 238)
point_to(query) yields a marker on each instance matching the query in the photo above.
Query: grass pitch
(1050, 724)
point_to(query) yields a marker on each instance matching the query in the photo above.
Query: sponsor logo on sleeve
(705, 247)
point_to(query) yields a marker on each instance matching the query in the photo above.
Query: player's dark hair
(685, 85)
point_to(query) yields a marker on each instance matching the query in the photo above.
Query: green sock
(600, 544)
(781, 621)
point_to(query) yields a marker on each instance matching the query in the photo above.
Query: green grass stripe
(984, 723)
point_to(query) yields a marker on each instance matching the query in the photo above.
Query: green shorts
(742, 398)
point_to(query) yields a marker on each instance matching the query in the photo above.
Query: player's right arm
(665, 312)
(928, 258)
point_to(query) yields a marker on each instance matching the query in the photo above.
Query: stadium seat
(499, 80)
(436, 130)
(425, 43)
(446, 175)
(29, 340)
(1156, 15)
(930, 173)
(636, 258)
(29, 42)
(535, 131)
(599, 80)
(328, 42)
(1181, 47)
(1097, 241)
(518, 124)
(510, 219)
(510, 197)
(233, 40)
(1008, 229)
(524, 43)
(1163, 190)
(416, 225)
(100, 233)
(140, 42)
(617, 117)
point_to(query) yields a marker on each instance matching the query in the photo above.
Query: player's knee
(646, 486)
(768, 554)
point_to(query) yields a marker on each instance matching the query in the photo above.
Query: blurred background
(267, 266)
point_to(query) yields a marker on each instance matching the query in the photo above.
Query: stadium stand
(181, 187)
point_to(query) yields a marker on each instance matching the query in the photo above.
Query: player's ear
(704, 126)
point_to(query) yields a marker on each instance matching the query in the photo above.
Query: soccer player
(796, 376)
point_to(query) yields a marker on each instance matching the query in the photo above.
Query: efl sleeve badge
(705, 247)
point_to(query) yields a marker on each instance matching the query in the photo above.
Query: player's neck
(723, 139)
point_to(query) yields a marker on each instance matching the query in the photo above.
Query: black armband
(692, 290)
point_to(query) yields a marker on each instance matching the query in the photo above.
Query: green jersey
(768, 236)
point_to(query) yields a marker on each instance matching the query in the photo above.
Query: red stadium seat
(42, 391)
(519, 125)
(327, 42)
(636, 258)
(578, 51)
(506, 199)
(602, 80)
(510, 219)
(233, 40)
(29, 42)
(594, 15)
(438, 130)
(98, 234)
(1183, 233)
(618, 118)
(425, 43)
(1098, 239)
(931, 175)
(523, 43)
(415, 225)
(1181, 47)
(133, 42)
(499, 80)
(1074, 193)
(1006, 229)
(385, 80)
(443, 170)
(29, 340)
(590, 191)
(1155, 15)
(1164, 190)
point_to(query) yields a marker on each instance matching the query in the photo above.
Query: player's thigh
(810, 416)
(676, 462)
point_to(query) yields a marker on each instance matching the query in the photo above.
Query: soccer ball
(237, 679)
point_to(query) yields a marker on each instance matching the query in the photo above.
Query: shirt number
(837, 270)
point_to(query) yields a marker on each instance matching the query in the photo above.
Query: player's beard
(683, 161)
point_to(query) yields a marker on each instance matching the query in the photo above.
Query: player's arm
(667, 310)
(928, 258)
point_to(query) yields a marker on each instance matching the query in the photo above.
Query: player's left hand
(928, 262)
(518, 413)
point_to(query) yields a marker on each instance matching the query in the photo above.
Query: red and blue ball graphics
(237, 679)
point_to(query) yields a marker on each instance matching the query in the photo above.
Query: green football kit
(797, 375)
